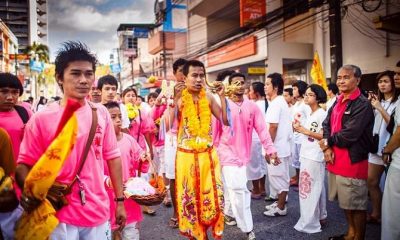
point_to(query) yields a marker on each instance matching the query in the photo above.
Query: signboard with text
(243, 48)
(251, 10)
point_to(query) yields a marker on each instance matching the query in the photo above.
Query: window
(132, 43)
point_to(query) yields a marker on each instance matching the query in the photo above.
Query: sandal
(167, 203)
(256, 196)
(149, 211)
(173, 223)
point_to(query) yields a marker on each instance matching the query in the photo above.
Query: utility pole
(164, 55)
(15, 60)
(133, 73)
(335, 37)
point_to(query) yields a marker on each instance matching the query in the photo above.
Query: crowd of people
(217, 145)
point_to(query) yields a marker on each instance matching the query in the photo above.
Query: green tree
(39, 51)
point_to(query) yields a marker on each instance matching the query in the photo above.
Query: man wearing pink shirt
(80, 219)
(13, 117)
(234, 153)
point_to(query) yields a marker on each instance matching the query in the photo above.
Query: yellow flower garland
(199, 122)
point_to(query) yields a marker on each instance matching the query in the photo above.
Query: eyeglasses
(5, 91)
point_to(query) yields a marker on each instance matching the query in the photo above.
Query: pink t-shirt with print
(12, 123)
(130, 155)
(40, 131)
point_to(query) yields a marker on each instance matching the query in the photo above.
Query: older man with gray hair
(347, 132)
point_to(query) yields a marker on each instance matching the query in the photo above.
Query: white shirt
(380, 124)
(330, 102)
(124, 115)
(278, 112)
(300, 111)
(396, 154)
(309, 147)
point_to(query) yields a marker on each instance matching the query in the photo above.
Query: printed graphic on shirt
(313, 128)
(97, 142)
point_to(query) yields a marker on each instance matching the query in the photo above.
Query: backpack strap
(22, 112)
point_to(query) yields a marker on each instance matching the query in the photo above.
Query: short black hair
(395, 91)
(235, 74)
(107, 79)
(8, 80)
(70, 52)
(152, 95)
(319, 91)
(179, 62)
(398, 64)
(301, 86)
(111, 104)
(192, 63)
(129, 89)
(333, 88)
(289, 90)
(277, 82)
(222, 75)
(142, 98)
(258, 88)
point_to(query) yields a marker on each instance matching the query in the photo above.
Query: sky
(94, 22)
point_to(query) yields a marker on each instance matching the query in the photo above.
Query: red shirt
(342, 164)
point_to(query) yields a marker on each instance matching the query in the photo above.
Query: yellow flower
(132, 110)
(198, 120)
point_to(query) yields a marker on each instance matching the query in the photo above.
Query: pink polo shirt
(130, 155)
(157, 113)
(235, 150)
(140, 126)
(342, 165)
(40, 131)
(12, 123)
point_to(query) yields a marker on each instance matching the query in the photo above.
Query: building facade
(8, 49)
(27, 19)
(261, 37)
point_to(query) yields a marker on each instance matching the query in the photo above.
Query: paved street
(265, 227)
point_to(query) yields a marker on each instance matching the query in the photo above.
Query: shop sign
(20, 57)
(256, 70)
(235, 50)
(251, 10)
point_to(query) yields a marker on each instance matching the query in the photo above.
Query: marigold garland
(198, 122)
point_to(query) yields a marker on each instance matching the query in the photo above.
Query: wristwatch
(119, 199)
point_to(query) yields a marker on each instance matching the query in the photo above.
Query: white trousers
(159, 160)
(131, 231)
(296, 155)
(279, 177)
(65, 231)
(312, 196)
(7, 222)
(170, 147)
(237, 196)
(391, 206)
